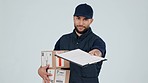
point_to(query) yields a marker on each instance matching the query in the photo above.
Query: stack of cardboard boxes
(57, 66)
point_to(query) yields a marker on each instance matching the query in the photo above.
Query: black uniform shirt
(86, 42)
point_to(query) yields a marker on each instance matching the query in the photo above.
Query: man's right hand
(43, 73)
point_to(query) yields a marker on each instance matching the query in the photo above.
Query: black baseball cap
(84, 10)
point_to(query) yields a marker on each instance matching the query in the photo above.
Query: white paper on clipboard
(80, 57)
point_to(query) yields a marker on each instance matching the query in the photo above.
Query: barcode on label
(59, 81)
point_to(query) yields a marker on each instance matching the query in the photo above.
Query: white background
(28, 27)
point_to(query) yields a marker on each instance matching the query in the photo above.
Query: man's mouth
(81, 26)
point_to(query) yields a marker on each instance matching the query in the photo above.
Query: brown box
(49, 58)
(59, 75)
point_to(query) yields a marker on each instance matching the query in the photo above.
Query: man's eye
(78, 17)
(85, 19)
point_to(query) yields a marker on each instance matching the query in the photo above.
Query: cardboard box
(49, 58)
(59, 75)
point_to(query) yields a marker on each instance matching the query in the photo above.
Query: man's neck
(78, 33)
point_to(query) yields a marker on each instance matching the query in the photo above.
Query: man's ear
(91, 20)
(73, 18)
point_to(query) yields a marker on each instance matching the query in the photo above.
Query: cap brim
(88, 17)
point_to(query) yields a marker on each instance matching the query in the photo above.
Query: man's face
(81, 24)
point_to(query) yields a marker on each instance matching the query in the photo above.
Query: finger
(96, 54)
(48, 74)
(90, 52)
(47, 66)
(46, 79)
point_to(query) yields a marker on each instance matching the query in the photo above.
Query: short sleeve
(57, 45)
(100, 45)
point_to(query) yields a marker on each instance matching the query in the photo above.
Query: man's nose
(81, 22)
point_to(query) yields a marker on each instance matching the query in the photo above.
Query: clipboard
(80, 57)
